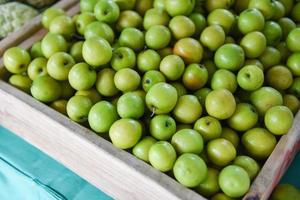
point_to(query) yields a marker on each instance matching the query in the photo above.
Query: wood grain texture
(30, 28)
(276, 164)
(114, 171)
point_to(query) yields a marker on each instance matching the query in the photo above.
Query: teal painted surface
(28, 174)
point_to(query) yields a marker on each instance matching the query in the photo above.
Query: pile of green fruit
(202, 90)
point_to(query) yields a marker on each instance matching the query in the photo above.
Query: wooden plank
(114, 171)
(30, 28)
(277, 164)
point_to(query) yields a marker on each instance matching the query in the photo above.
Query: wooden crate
(114, 171)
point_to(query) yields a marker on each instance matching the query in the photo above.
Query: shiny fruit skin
(190, 170)
(220, 151)
(265, 98)
(234, 181)
(130, 105)
(213, 37)
(220, 103)
(148, 60)
(53, 43)
(78, 108)
(292, 40)
(182, 27)
(250, 77)
(101, 116)
(195, 76)
(189, 49)
(229, 56)
(224, 79)
(151, 78)
(16, 60)
(105, 82)
(157, 37)
(187, 110)
(161, 98)
(254, 44)
(172, 67)
(259, 143)
(162, 127)
(221, 17)
(293, 63)
(187, 141)
(125, 133)
(21, 81)
(162, 156)
(251, 20)
(279, 120)
(209, 127)
(292, 102)
(179, 7)
(244, 118)
(45, 89)
(279, 77)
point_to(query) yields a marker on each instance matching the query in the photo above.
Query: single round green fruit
(187, 141)
(212, 37)
(105, 82)
(158, 37)
(187, 110)
(172, 67)
(292, 102)
(293, 63)
(101, 116)
(82, 76)
(292, 40)
(106, 11)
(96, 51)
(125, 133)
(76, 51)
(234, 181)
(279, 120)
(93, 94)
(59, 65)
(123, 57)
(161, 98)
(224, 79)
(220, 104)
(251, 20)
(122, 78)
(53, 43)
(229, 56)
(244, 118)
(279, 77)
(162, 127)
(16, 60)
(155, 16)
(132, 38)
(190, 170)
(63, 25)
(37, 67)
(148, 60)
(220, 151)
(254, 44)
(78, 108)
(182, 27)
(162, 156)
(179, 7)
(259, 143)
(130, 105)
(221, 17)
(195, 76)
(189, 49)
(45, 89)
(209, 127)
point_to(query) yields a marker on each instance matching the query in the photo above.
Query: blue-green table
(28, 174)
